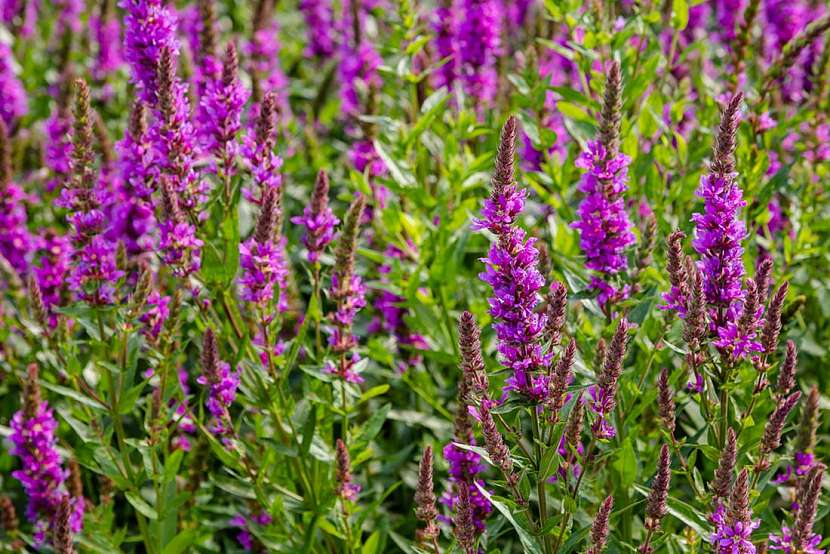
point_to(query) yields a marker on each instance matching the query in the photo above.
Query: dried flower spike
(425, 501)
(599, 529)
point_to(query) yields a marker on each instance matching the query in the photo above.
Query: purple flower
(719, 231)
(25, 11)
(258, 152)
(244, 523)
(58, 147)
(222, 383)
(464, 466)
(180, 247)
(156, 312)
(41, 475)
(95, 272)
(173, 139)
(351, 298)
(132, 217)
(320, 31)
(16, 243)
(391, 312)
(263, 266)
(149, 28)
(732, 535)
(803, 462)
(479, 29)
(69, 15)
(13, 102)
(604, 227)
(443, 28)
(358, 71)
(220, 112)
(107, 32)
(52, 269)
(785, 543)
(512, 271)
(263, 53)
(318, 219)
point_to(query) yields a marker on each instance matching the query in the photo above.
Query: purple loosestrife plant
(149, 29)
(13, 98)
(106, 29)
(349, 295)
(94, 274)
(446, 50)
(174, 139)
(263, 54)
(318, 16)
(42, 474)
(719, 230)
(222, 384)
(258, 150)
(478, 29)
(359, 60)
(220, 112)
(16, 243)
(512, 272)
(318, 220)
(604, 227)
(133, 219)
(262, 258)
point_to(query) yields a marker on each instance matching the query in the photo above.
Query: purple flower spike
(13, 103)
(512, 271)
(479, 29)
(318, 19)
(149, 28)
(318, 219)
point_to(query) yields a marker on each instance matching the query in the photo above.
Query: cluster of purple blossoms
(220, 112)
(478, 34)
(786, 544)
(351, 298)
(95, 271)
(24, 12)
(197, 24)
(803, 462)
(512, 271)
(732, 534)
(16, 242)
(263, 54)
(263, 266)
(107, 32)
(156, 312)
(58, 147)
(244, 523)
(173, 139)
(443, 29)
(149, 29)
(359, 61)
(13, 99)
(319, 28)
(41, 475)
(222, 383)
(178, 243)
(464, 466)
(132, 217)
(318, 219)
(51, 271)
(719, 231)
(604, 226)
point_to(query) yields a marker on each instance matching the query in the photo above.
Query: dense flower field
(374, 276)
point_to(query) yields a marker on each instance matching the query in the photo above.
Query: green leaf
(680, 14)
(180, 542)
(626, 463)
(73, 394)
(372, 427)
(373, 392)
(141, 505)
(518, 520)
(401, 175)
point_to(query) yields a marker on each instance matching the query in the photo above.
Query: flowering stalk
(41, 475)
(603, 394)
(425, 502)
(604, 227)
(95, 273)
(16, 243)
(656, 508)
(222, 384)
(219, 116)
(512, 272)
(349, 294)
(149, 30)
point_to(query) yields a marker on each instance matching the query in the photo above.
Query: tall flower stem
(540, 479)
